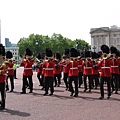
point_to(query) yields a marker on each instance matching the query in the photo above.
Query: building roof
(105, 29)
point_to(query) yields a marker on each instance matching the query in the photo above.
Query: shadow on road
(63, 97)
(59, 90)
(16, 112)
(92, 99)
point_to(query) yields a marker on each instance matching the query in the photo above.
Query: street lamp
(94, 48)
(77, 46)
(36, 46)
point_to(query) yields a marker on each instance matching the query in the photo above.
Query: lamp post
(77, 45)
(37, 46)
(94, 48)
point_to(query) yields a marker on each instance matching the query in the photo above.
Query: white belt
(48, 68)
(88, 67)
(27, 68)
(43, 68)
(10, 68)
(105, 67)
(114, 66)
(73, 68)
(5, 74)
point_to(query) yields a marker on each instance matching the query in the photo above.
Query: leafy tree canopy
(57, 43)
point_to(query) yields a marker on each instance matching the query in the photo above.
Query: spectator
(15, 68)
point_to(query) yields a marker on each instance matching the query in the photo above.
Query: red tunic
(73, 68)
(48, 71)
(65, 66)
(114, 68)
(57, 68)
(39, 69)
(3, 73)
(2, 77)
(27, 67)
(10, 68)
(105, 68)
(88, 64)
(80, 67)
(95, 70)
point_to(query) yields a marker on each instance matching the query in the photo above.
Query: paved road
(60, 106)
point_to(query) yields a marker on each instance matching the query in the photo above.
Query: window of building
(114, 35)
(118, 41)
(118, 47)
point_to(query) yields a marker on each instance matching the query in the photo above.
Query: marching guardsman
(105, 75)
(114, 69)
(27, 73)
(57, 69)
(95, 72)
(48, 72)
(118, 58)
(10, 73)
(3, 70)
(87, 72)
(39, 69)
(73, 72)
(80, 69)
(65, 63)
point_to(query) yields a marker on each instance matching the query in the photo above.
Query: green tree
(56, 42)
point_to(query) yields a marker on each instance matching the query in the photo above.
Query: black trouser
(75, 79)
(58, 76)
(102, 80)
(65, 79)
(11, 82)
(43, 80)
(3, 94)
(40, 79)
(85, 81)
(25, 83)
(115, 82)
(96, 78)
(14, 73)
(49, 84)
(80, 78)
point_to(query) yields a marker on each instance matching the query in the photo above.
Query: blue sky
(71, 18)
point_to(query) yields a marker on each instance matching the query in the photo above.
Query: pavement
(60, 106)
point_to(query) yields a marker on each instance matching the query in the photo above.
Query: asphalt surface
(60, 106)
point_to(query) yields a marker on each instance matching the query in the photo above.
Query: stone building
(105, 35)
(14, 51)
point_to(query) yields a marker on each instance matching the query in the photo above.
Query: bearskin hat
(118, 53)
(58, 56)
(105, 49)
(73, 52)
(9, 55)
(87, 54)
(67, 51)
(99, 54)
(39, 56)
(48, 52)
(94, 55)
(28, 52)
(79, 54)
(113, 50)
(2, 50)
